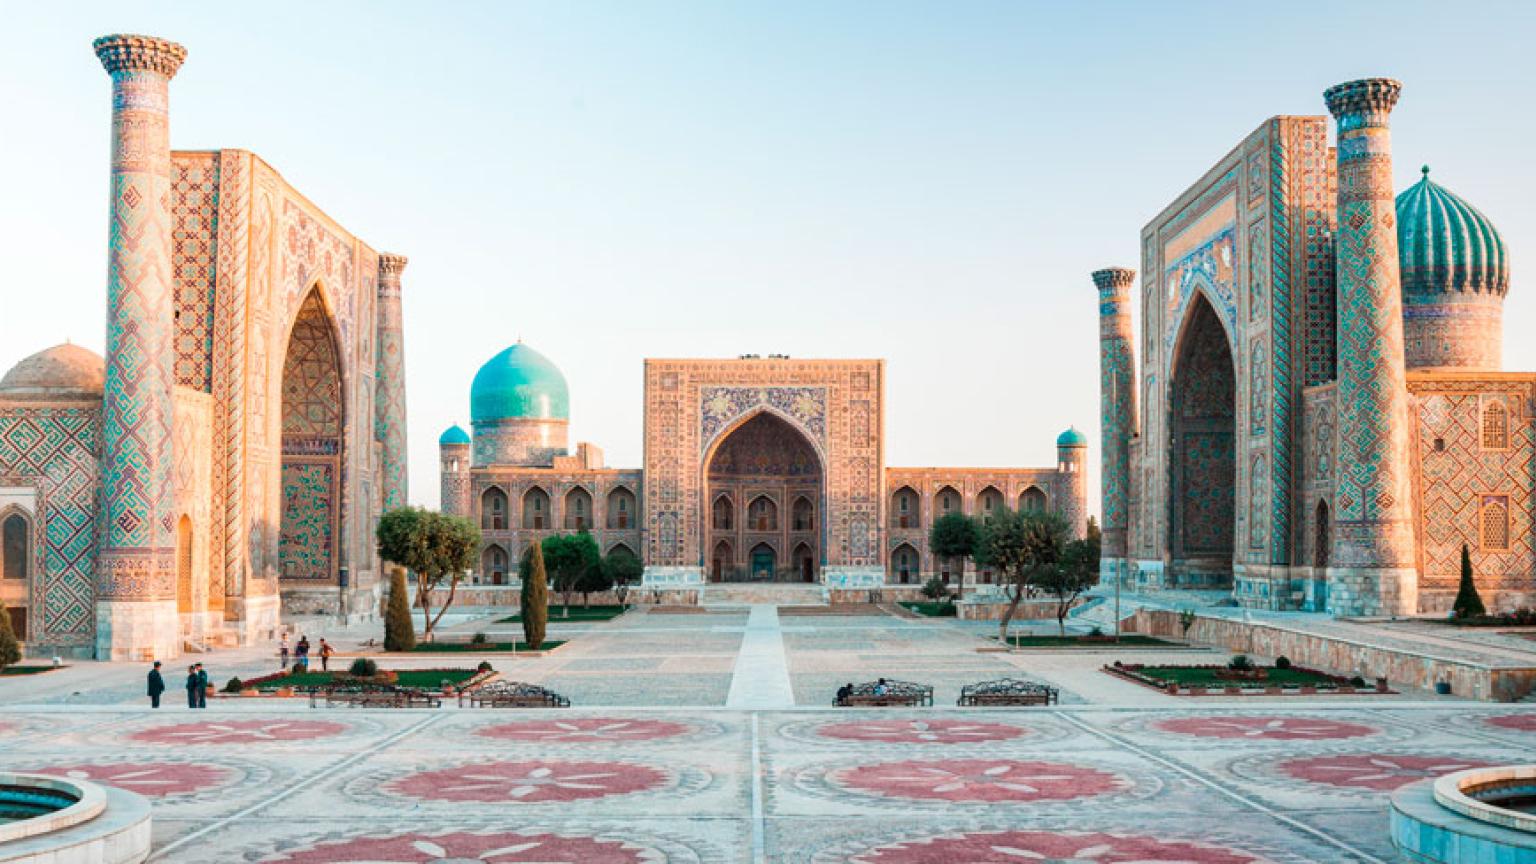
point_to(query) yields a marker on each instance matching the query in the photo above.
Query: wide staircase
(738, 594)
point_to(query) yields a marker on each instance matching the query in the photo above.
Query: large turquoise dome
(1446, 246)
(518, 384)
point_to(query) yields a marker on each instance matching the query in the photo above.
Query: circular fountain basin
(57, 821)
(1481, 814)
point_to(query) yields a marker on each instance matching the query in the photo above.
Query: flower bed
(558, 614)
(1224, 681)
(1126, 640)
(930, 609)
(483, 647)
(33, 669)
(417, 679)
(1517, 618)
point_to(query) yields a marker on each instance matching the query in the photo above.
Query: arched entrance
(772, 467)
(1202, 450)
(904, 567)
(313, 435)
(16, 567)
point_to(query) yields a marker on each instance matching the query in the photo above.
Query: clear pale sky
(926, 182)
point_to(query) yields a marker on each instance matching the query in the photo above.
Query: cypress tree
(1468, 603)
(399, 632)
(535, 599)
(10, 649)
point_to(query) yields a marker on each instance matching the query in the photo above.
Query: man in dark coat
(192, 686)
(156, 685)
(202, 687)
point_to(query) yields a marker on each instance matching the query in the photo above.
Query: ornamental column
(1117, 413)
(389, 396)
(1371, 568)
(135, 578)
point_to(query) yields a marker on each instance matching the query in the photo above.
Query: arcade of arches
(765, 489)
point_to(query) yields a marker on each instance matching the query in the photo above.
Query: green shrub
(1186, 619)
(1356, 681)
(234, 685)
(1282, 662)
(1240, 663)
(934, 588)
(478, 639)
(484, 667)
(1096, 632)
(362, 667)
(1469, 604)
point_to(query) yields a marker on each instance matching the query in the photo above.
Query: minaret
(135, 578)
(453, 469)
(389, 396)
(1117, 411)
(1071, 468)
(1371, 570)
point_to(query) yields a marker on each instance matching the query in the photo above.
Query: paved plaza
(706, 737)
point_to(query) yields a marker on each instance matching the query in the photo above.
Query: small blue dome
(455, 434)
(518, 384)
(1072, 438)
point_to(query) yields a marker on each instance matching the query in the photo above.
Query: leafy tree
(954, 536)
(595, 580)
(10, 649)
(570, 557)
(1077, 571)
(1469, 604)
(399, 633)
(622, 569)
(535, 605)
(1022, 546)
(433, 546)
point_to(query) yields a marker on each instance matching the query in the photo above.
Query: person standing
(283, 652)
(325, 655)
(202, 687)
(156, 685)
(192, 686)
(301, 654)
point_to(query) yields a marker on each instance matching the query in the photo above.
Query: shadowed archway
(1202, 456)
(313, 439)
(771, 466)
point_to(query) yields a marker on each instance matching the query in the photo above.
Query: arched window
(16, 546)
(536, 509)
(948, 501)
(763, 515)
(493, 510)
(803, 515)
(722, 513)
(621, 508)
(578, 510)
(1032, 500)
(990, 501)
(1495, 425)
(1493, 522)
(493, 565)
(904, 506)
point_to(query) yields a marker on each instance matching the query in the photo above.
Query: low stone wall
(1343, 657)
(1029, 610)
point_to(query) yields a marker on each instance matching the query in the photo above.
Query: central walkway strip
(761, 677)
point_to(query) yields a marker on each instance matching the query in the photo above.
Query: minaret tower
(1371, 569)
(135, 577)
(1071, 468)
(1117, 412)
(453, 469)
(389, 396)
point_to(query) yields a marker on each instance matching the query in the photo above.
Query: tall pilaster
(1117, 410)
(136, 586)
(389, 399)
(1371, 568)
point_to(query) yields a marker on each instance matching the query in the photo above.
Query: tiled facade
(1288, 445)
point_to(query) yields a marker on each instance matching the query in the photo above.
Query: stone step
(748, 594)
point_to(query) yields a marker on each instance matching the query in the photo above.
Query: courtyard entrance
(764, 485)
(313, 423)
(1202, 451)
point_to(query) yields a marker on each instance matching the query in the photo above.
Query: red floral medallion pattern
(528, 782)
(979, 780)
(1268, 728)
(921, 731)
(159, 780)
(1381, 772)
(240, 732)
(588, 730)
(1519, 722)
(1014, 847)
(451, 848)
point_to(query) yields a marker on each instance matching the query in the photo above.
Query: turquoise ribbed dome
(454, 434)
(1445, 245)
(518, 384)
(1072, 438)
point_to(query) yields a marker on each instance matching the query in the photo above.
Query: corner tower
(1371, 570)
(453, 466)
(135, 580)
(1117, 411)
(1071, 462)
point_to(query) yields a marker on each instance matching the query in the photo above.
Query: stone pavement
(707, 738)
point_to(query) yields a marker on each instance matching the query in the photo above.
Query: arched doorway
(1032, 500)
(578, 510)
(904, 508)
(904, 569)
(313, 436)
(721, 562)
(773, 469)
(1202, 450)
(988, 503)
(185, 602)
(493, 510)
(536, 509)
(493, 565)
(621, 508)
(16, 567)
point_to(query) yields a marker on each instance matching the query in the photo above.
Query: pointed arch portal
(1203, 449)
(313, 435)
(773, 468)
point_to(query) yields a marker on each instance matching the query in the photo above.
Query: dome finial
(1425, 170)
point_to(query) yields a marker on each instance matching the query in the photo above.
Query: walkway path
(761, 677)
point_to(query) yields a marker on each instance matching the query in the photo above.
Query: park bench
(512, 694)
(1008, 691)
(895, 694)
(374, 696)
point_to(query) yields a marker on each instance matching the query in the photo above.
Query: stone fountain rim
(90, 801)
(1450, 793)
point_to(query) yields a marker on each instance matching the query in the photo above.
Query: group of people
(197, 686)
(301, 654)
(882, 688)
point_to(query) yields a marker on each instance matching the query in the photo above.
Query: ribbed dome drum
(1455, 273)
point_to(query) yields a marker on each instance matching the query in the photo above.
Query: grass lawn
(485, 647)
(1127, 639)
(930, 608)
(577, 613)
(430, 679)
(1205, 676)
(28, 670)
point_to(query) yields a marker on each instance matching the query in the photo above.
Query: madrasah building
(1317, 418)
